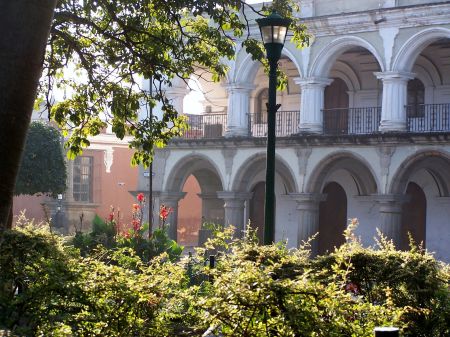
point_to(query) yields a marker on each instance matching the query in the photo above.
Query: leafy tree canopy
(43, 169)
(114, 44)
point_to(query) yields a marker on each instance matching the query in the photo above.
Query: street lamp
(273, 29)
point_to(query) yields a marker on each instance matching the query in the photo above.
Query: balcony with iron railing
(210, 125)
(286, 124)
(428, 117)
(422, 118)
(351, 121)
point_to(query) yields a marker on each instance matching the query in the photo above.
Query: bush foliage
(49, 288)
(42, 169)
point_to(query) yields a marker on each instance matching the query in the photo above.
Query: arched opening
(356, 107)
(189, 214)
(414, 216)
(332, 218)
(194, 99)
(256, 212)
(335, 115)
(199, 178)
(250, 177)
(424, 176)
(204, 102)
(428, 105)
(288, 115)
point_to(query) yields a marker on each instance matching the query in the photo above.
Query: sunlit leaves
(112, 45)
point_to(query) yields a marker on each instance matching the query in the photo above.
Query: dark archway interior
(414, 216)
(257, 209)
(332, 218)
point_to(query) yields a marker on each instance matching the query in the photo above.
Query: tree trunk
(24, 27)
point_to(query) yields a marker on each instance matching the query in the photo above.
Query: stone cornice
(371, 20)
(378, 139)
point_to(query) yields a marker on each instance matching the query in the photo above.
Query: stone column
(171, 199)
(390, 206)
(238, 108)
(234, 206)
(176, 95)
(311, 103)
(212, 208)
(308, 220)
(393, 112)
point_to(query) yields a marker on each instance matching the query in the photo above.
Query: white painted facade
(374, 151)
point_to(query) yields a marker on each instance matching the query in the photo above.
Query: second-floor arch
(322, 64)
(413, 47)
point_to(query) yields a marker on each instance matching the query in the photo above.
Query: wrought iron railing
(353, 121)
(206, 126)
(344, 121)
(428, 117)
(286, 123)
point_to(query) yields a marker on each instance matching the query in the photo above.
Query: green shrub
(48, 289)
(269, 291)
(416, 282)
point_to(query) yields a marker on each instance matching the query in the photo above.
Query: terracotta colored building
(98, 181)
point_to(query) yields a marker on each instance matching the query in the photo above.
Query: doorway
(414, 216)
(257, 209)
(332, 218)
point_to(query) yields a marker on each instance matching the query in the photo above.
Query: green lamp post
(273, 29)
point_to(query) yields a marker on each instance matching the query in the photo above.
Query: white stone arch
(327, 57)
(246, 68)
(358, 167)
(243, 178)
(408, 53)
(201, 167)
(429, 169)
(435, 162)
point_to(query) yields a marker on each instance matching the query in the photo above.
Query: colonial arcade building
(363, 132)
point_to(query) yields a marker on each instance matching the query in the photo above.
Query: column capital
(313, 81)
(391, 203)
(307, 201)
(394, 76)
(239, 87)
(207, 195)
(171, 197)
(232, 195)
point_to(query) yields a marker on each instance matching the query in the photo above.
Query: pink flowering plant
(112, 234)
(164, 213)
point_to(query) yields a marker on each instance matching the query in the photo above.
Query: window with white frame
(82, 179)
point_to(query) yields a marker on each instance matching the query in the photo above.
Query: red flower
(164, 212)
(111, 217)
(140, 197)
(136, 224)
